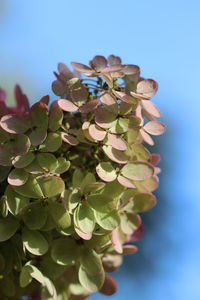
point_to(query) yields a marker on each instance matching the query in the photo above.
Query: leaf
(34, 242)
(51, 185)
(8, 227)
(47, 161)
(55, 116)
(30, 189)
(154, 128)
(67, 105)
(117, 142)
(17, 177)
(34, 215)
(59, 214)
(52, 143)
(15, 201)
(137, 170)
(91, 274)
(64, 251)
(23, 160)
(143, 202)
(25, 277)
(106, 171)
(62, 165)
(15, 124)
(85, 218)
(115, 155)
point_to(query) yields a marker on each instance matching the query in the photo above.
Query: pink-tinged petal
(38, 136)
(106, 171)
(155, 159)
(69, 139)
(151, 109)
(125, 97)
(114, 68)
(117, 142)
(63, 69)
(129, 249)
(157, 170)
(139, 96)
(109, 102)
(67, 105)
(98, 63)
(21, 100)
(131, 69)
(104, 118)
(81, 68)
(57, 88)
(114, 60)
(85, 129)
(15, 123)
(138, 114)
(109, 287)
(83, 235)
(107, 77)
(116, 241)
(89, 106)
(137, 235)
(45, 99)
(2, 95)
(147, 88)
(125, 108)
(146, 137)
(154, 128)
(148, 185)
(115, 155)
(96, 132)
(125, 182)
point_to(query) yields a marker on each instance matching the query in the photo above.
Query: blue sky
(163, 38)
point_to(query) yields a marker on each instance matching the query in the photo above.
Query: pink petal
(109, 102)
(21, 100)
(89, 106)
(117, 142)
(115, 155)
(109, 287)
(151, 109)
(98, 63)
(155, 159)
(96, 132)
(137, 235)
(116, 241)
(147, 88)
(83, 235)
(154, 128)
(104, 118)
(146, 137)
(114, 60)
(125, 182)
(129, 249)
(67, 105)
(81, 68)
(69, 139)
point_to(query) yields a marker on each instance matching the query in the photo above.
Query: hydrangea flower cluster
(74, 177)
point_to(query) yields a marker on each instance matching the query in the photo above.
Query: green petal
(34, 215)
(8, 227)
(47, 161)
(51, 185)
(137, 171)
(106, 171)
(59, 214)
(64, 251)
(17, 177)
(34, 242)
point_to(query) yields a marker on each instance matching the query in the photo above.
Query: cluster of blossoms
(74, 176)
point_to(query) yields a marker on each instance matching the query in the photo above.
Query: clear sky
(163, 38)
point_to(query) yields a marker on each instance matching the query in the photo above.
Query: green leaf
(23, 160)
(77, 178)
(52, 143)
(34, 242)
(39, 115)
(62, 165)
(91, 274)
(17, 177)
(106, 171)
(30, 189)
(47, 162)
(143, 202)
(84, 217)
(8, 227)
(64, 251)
(15, 201)
(25, 277)
(51, 185)
(59, 214)
(137, 171)
(55, 116)
(34, 215)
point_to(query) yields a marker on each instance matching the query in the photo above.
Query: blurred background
(163, 38)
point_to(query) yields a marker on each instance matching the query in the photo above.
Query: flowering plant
(74, 177)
